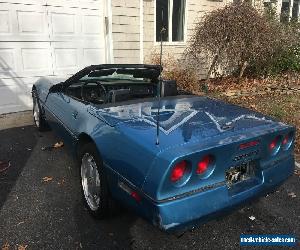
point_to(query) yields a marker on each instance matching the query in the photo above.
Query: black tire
(106, 203)
(38, 119)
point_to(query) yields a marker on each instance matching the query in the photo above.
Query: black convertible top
(138, 70)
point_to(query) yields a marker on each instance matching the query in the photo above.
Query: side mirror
(56, 88)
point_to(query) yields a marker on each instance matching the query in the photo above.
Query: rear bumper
(184, 213)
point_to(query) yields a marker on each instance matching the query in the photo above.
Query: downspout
(108, 32)
(142, 31)
(291, 9)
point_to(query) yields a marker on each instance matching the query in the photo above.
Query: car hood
(181, 120)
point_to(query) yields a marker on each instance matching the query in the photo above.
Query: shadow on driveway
(16, 145)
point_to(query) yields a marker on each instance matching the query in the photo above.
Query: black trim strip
(90, 68)
(55, 116)
(176, 197)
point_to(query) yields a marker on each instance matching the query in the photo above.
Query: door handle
(75, 114)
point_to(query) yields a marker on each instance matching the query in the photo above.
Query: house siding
(126, 31)
(195, 10)
(126, 28)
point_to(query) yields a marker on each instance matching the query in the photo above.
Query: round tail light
(275, 145)
(178, 171)
(287, 141)
(204, 164)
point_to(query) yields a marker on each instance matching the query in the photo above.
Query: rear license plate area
(240, 173)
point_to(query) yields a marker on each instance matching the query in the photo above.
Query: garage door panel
(9, 99)
(83, 4)
(64, 22)
(4, 21)
(70, 57)
(27, 2)
(7, 18)
(93, 56)
(9, 63)
(15, 94)
(23, 22)
(70, 23)
(7, 60)
(31, 22)
(42, 38)
(21, 59)
(66, 60)
(36, 59)
(91, 25)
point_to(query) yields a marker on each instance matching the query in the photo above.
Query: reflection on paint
(193, 115)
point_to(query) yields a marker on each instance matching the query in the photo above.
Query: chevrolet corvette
(175, 158)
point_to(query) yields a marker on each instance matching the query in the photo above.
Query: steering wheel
(102, 92)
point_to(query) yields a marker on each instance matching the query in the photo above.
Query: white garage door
(46, 37)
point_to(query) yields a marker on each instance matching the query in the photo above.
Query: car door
(66, 112)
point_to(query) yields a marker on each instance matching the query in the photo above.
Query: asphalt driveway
(48, 213)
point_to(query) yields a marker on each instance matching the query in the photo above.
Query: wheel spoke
(90, 181)
(36, 112)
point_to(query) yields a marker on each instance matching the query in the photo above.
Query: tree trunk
(212, 66)
(244, 66)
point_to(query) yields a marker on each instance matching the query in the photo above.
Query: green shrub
(288, 60)
(238, 39)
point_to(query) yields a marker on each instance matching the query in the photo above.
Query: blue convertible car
(176, 159)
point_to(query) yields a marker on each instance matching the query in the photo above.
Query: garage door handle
(75, 114)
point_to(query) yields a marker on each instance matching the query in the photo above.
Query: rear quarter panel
(130, 160)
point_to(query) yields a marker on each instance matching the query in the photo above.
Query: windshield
(123, 74)
(116, 77)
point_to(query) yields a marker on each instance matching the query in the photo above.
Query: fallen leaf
(58, 144)
(4, 165)
(62, 182)
(230, 93)
(47, 178)
(21, 247)
(292, 194)
(252, 217)
(5, 246)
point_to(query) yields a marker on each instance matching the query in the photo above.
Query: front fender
(43, 85)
